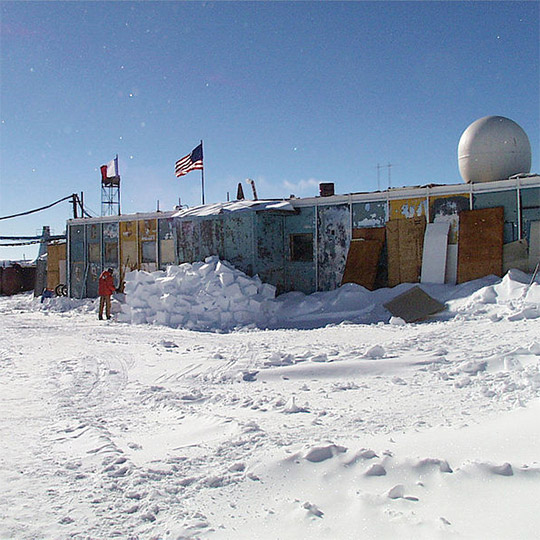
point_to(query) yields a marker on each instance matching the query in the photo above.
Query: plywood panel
(362, 262)
(392, 244)
(405, 242)
(56, 259)
(370, 233)
(480, 246)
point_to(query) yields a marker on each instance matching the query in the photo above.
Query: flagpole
(202, 174)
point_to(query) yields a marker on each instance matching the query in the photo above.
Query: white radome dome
(493, 148)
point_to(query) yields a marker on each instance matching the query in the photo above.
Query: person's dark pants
(105, 302)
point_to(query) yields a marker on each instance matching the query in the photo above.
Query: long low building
(316, 244)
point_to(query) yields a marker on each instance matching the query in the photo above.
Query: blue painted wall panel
(270, 256)
(530, 204)
(371, 214)
(298, 275)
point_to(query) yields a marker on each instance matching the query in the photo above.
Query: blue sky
(287, 93)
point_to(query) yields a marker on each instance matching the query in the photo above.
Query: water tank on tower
(493, 148)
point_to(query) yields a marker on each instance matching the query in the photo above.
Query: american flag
(191, 162)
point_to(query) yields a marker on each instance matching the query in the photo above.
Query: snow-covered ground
(337, 423)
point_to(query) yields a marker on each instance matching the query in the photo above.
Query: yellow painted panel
(147, 229)
(128, 246)
(408, 208)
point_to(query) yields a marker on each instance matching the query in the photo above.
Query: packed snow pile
(213, 295)
(199, 296)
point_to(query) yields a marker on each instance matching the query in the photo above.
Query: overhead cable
(37, 209)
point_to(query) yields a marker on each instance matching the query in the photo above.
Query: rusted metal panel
(480, 245)
(369, 214)
(405, 241)
(408, 208)
(238, 241)
(506, 200)
(211, 238)
(447, 208)
(187, 239)
(333, 238)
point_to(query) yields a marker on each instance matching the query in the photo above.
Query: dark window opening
(302, 247)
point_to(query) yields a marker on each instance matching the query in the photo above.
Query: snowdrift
(216, 296)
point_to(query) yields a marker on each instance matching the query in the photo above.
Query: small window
(302, 247)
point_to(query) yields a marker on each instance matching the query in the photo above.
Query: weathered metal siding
(369, 214)
(187, 240)
(211, 238)
(506, 199)
(147, 244)
(530, 204)
(110, 245)
(239, 241)
(77, 260)
(270, 255)
(333, 239)
(299, 275)
(128, 246)
(166, 242)
(93, 251)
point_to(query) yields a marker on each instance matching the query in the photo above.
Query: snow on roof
(235, 206)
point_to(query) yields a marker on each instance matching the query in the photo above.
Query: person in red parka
(105, 289)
